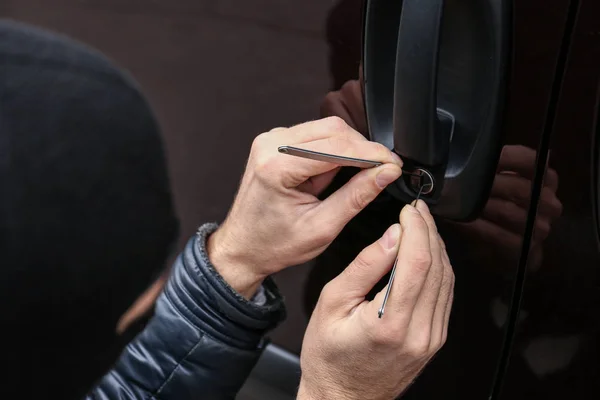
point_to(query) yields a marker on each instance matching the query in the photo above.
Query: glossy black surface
(487, 253)
(556, 349)
(220, 72)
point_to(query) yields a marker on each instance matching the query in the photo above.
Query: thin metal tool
(332, 158)
(389, 289)
(393, 274)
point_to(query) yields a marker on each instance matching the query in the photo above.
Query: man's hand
(500, 228)
(348, 352)
(276, 220)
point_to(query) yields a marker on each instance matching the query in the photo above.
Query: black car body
(525, 319)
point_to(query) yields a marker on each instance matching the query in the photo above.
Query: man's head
(86, 216)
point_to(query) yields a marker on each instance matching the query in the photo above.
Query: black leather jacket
(203, 340)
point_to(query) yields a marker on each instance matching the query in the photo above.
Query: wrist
(232, 264)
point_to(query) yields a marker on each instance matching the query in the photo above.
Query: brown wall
(217, 73)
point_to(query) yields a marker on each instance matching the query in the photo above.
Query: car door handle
(445, 146)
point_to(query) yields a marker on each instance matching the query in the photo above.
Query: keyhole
(421, 180)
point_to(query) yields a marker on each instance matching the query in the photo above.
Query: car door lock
(421, 180)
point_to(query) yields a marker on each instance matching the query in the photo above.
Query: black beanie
(86, 215)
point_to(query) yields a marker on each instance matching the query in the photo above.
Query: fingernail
(391, 236)
(397, 158)
(387, 176)
(422, 206)
(411, 208)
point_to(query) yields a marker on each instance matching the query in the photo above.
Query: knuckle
(558, 207)
(451, 280)
(340, 143)
(278, 129)
(360, 263)
(421, 260)
(264, 167)
(389, 335)
(442, 243)
(334, 124)
(552, 176)
(257, 143)
(380, 150)
(419, 348)
(444, 339)
(437, 344)
(324, 236)
(360, 199)
(543, 228)
(327, 293)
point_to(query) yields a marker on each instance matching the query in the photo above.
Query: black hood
(86, 214)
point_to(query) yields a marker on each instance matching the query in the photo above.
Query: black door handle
(434, 77)
(417, 134)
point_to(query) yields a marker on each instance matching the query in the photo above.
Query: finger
(414, 262)
(340, 207)
(519, 159)
(496, 236)
(353, 147)
(299, 170)
(549, 205)
(367, 269)
(551, 179)
(447, 295)
(513, 188)
(522, 160)
(517, 189)
(317, 184)
(505, 213)
(542, 229)
(427, 303)
(316, 130)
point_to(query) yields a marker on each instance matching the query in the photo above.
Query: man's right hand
(348, 352)
(277, 219)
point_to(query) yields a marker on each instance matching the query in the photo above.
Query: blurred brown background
(217, 73)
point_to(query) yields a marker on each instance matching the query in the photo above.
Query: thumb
(340, 207)
(376, 260)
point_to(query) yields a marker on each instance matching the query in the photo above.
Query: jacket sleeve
(203, 340)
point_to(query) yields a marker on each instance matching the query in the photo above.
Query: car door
(554, 331)
(498, 64)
